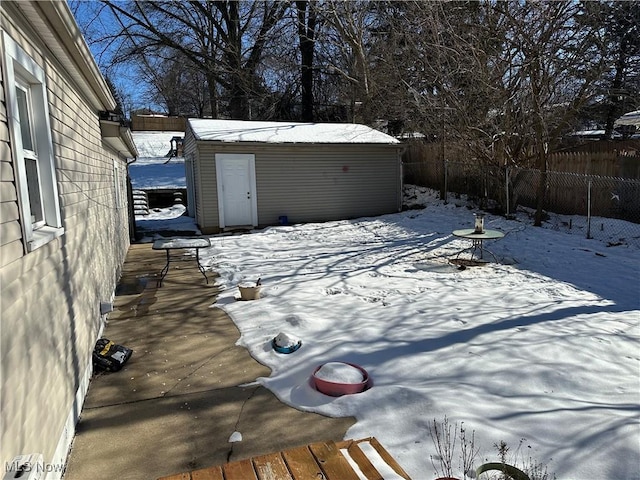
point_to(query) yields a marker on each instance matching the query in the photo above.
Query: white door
(237, 203)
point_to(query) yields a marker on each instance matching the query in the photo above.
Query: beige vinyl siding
(191, 148)
(208, 190)
(308, 183)
(326, 183)
(10, 231)
(50, 296)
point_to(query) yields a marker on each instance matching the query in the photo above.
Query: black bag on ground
(108, 356)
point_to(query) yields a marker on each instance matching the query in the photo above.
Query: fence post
(589, 208)
(443, 180)
(506, 189)
(446, 181)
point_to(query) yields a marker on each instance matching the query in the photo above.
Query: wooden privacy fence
(503, 190)
(619, 160)
(605, 164)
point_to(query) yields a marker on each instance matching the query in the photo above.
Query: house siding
(50, 296)
(309, 183)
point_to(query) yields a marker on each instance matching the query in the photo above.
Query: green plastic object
(510, 470)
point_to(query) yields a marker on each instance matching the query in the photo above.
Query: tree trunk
(616, 87)
(306, 34)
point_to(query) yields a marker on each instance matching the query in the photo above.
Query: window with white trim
(31, 146)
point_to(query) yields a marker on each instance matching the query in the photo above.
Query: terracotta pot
(336, 389)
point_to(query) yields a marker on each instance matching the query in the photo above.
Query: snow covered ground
(540, 351)
(155, 168)
(155, 174)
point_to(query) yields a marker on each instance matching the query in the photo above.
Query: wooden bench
(317, 461)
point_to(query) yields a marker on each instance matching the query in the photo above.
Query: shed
(245, 174)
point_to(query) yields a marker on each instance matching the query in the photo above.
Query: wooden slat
(333, 464)
(363, 462)
(241, 470)
(302, 464)
(386, 456)
(211, 473)
(377, 446)
(271, 467)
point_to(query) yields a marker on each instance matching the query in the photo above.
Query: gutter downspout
(133, 234)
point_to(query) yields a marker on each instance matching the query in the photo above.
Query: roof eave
(54, 22)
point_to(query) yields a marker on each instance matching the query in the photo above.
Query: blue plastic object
(289, 349)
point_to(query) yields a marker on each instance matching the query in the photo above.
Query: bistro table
(477, 239)
(181, 244)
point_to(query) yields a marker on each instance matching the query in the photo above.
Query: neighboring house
(630, 118)
(595, 134)
(243, 174)
(65, 224)
(629, 124)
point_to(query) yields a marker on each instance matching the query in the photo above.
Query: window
(23, 96)
(118, 184)
(32, 148)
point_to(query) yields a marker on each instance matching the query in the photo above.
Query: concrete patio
(186, 389)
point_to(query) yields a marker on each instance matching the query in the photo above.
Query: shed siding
(325, 184)
(309, 183)
(191, 149)
(50, 296)
(208, 190)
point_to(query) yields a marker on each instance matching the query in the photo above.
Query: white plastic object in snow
(285, 340)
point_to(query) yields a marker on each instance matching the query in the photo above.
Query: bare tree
(307, 16)
(225, 39)
(547, 74)
(618, 46)
(351, 23)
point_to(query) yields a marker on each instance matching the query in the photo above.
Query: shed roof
(286, 132)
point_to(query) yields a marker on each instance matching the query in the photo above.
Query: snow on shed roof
(286, 132)
(154, 144)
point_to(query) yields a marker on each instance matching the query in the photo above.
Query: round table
(476, 240)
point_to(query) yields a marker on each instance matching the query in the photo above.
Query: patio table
(168, 245)
(477, 239)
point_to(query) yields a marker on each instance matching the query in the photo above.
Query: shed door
(237, 202)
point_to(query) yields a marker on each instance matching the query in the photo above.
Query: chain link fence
(605, 208)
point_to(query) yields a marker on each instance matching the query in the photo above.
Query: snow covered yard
(540, 351)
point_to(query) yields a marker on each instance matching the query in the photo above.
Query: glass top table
(170, 244)
(477, 239)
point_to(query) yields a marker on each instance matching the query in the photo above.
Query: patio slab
(186, 389)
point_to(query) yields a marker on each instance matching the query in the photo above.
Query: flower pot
(249, 292)
(509, 470)
(337, 389)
